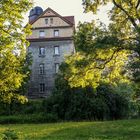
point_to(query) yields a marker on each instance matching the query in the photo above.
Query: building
(50, 42)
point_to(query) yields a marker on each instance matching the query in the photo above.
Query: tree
(125, 26)
(103, 53)
(99, 58)
(12, 48)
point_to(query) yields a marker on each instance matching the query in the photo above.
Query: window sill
(42, 74)
(42, 92)
(56, 55)
(41, 55)
(42, 36)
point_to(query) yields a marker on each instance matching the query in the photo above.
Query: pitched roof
(67, 19)
(70, 18)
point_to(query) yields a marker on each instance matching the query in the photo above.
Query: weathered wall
(49, 33)
(49, 60)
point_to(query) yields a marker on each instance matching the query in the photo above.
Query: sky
(71, 8)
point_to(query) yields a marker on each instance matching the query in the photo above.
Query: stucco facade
(50, 42)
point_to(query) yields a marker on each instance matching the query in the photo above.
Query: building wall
(49, 32)
(49, 60)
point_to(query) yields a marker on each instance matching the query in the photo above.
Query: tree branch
(138, 3)
(107, 61)
(129, 17)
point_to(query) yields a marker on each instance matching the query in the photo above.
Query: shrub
(86, 103)
(32, 118)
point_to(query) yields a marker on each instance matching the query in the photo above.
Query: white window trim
(41, 51)
(41, 34)
(56, 50)
(56, 35)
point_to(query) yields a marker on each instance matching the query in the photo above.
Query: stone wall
(49, 60)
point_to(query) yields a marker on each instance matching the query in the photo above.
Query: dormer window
(41, 34)
(46, 20)
(56, 33)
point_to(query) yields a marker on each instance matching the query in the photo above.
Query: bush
(32, 118)
(31, 107)
(86, 103)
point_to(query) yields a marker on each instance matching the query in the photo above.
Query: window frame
(51, 20)
(41, 69)
(46, 21)
(42, 87)
(55, 33)
(41, 35)
(41, 53)
(58, 50)
(56, 68)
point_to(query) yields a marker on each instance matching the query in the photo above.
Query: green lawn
(108, 130)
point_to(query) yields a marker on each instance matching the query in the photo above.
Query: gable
(49, 14)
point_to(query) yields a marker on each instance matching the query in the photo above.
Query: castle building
(50, 42)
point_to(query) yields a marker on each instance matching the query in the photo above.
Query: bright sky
(71, 8)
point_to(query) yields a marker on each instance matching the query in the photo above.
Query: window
(41, 51)
(41, 69)
(41, 34)
(51, 20)
(56, 33)
(42, 87)
(46, 20)
(56, 50)
(56, 67)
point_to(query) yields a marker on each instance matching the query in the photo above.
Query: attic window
(46, 21)
(51, 20)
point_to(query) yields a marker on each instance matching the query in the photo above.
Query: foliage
(10, 135)
(107, 130)
(104, 103)
(16, 108)
(99, 58)
(12, 48)
(29, 118)
(124, 26)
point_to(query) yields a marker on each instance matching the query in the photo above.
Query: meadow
(107, 130)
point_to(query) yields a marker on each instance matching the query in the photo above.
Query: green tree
(125, 26)
(102, 53)
(99, 58)
(12, 48)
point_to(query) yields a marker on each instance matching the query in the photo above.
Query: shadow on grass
(117, 130)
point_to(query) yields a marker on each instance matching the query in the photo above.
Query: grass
(108, 130)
